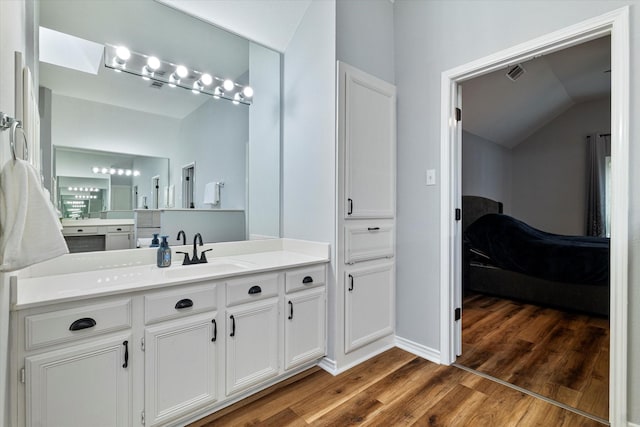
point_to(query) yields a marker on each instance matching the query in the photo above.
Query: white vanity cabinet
(180, 355)
(77, 367)
(166, 356)
(119, 237)
(252, 331)
(304, 316)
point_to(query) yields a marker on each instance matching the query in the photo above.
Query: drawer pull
(350, 283)
(255, 290)
(126, 354)
(215, 330)
(290, 311)
(373, 228)
(307, 279)
(350, 211)
(118, 229)
(84, 323)
(184, 303)
(233, 326)
(79, 230)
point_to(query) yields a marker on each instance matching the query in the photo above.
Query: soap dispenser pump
(154, 242)
(164, 253)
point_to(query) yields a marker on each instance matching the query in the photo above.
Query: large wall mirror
(97, 118)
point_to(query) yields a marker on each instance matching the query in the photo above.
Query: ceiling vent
(156, 85)
(515, 72)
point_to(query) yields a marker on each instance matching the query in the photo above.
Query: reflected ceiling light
(168, 73)
(120, 171)
(128, 172)
(95, 169)
(136, 173)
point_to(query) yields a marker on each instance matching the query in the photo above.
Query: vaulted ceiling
(507, 112)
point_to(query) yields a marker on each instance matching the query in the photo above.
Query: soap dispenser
(164, 253)
(154, 242)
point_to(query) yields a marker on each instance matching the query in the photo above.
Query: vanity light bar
(84, 189)
(114, 171)
(121, 59)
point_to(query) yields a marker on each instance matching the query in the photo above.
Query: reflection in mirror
(100, 184)
(92, 107)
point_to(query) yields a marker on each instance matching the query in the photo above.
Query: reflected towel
(212, 193)
(30, 231)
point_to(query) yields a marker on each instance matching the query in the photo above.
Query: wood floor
(395, 388)
(560, 355)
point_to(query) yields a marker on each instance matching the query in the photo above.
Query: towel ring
(17, 124)
(7, 122)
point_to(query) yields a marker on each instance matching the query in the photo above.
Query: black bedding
(513, 245)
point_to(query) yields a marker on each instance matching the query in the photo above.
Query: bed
(505, 257)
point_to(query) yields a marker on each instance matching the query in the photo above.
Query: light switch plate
(431, 177)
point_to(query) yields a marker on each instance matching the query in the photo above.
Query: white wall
(549, 169)
(308, 151)
(264, 143)
(215, 137)
(434, 36)
(364, 33)
(96, 126)
(486, 169)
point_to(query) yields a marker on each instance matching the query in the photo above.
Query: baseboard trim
(420, 350)
(331, 365)
(630, 424)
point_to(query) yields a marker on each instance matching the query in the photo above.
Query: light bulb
(206, 79)
(123, 53)
(182, 71)
(136, 173)
(104, 170)
(112, 171)
(228, 85)
(95, 169)
(70, 189)
(128, 172)
(120, 171)
(153, 63)
(248, 91)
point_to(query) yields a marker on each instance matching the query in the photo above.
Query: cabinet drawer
(118, 228)
(252, 288)
(305, 278)
(368, 240)
(77, 323)
(79, 230)
(178, 302)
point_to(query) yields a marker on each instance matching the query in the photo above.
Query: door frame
(616, 24)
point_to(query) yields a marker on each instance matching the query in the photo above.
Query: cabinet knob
(84, 323)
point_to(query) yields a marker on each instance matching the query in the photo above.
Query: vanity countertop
(95, 222)
(135, 270)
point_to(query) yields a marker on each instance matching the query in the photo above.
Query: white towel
(30, 231)
(212, 193)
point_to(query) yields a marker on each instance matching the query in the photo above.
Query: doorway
(616, 25)
(188, 185)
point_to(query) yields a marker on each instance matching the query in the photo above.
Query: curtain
(598, 148)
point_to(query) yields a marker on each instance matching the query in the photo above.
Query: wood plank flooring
(395, 388)
(560, 355)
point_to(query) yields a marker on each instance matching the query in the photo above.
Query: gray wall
(549, 169)
(434, 36)
(486, 169)
(364, 36)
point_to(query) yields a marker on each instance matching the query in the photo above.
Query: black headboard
(473, 207)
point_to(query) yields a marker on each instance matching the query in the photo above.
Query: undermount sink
(177, 271)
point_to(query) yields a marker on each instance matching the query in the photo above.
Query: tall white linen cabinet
(366, 206)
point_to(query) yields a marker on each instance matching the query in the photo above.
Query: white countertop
(95, 222)
(46, 284)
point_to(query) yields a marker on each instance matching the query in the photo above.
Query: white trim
(428, 353)
(331, 365)
(630, 424)
(615, 23)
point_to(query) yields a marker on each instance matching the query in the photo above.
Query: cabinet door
(304, 331)
(84, 385)
(252, 344)
(180, 366)
(368, 129)
(117, 241)
(369, 304)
